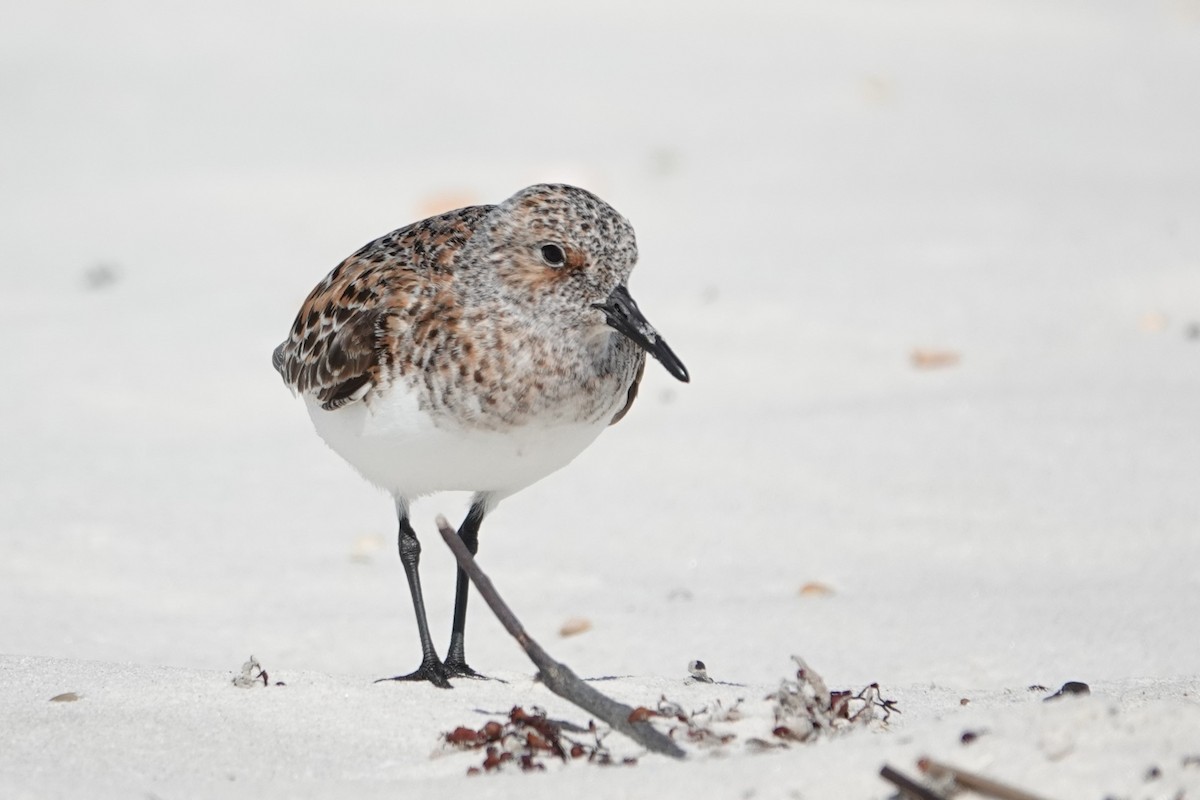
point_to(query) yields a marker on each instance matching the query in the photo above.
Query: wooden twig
(989, 787)
(557, 677)
(907, 786)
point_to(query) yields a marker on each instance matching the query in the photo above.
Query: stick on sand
(557, 677)
(988, 787)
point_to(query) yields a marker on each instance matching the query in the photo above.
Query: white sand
(817, 192)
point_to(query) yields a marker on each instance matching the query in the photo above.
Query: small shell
(698, 671)
(816, 589)
(575, 626)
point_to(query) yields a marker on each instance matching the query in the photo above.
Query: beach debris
(253, 675)
(1070, 688)
(941, 781)
(910, 789)
(575, 626)
(956, 779)
(930, 358)
(695, 727)
(526, 739)
(698, 672)
(556, 676)
(805, 709)
(968, 737)
(65, 697)
(641, 714)
(816, 589)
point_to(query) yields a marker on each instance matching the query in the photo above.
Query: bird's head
(567, 253)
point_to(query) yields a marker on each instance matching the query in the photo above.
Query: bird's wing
(631, 395)
(334, 360)
(339, 344)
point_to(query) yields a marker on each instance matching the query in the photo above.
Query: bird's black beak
(624, 316)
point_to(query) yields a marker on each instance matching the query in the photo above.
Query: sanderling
(477, 350)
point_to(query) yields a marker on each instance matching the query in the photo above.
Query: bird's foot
(457, 668)
(430, 670)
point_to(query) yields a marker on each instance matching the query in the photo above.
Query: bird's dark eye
(553, 255)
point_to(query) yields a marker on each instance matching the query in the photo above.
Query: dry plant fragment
(525, 740)
(673, 710)
(641, 714)
(65, 697)
(806, 709)
(762, 745)
(988, 787)
(696, 725)
(909, 788)
(556, 676)
(252, 675)
(463, 736)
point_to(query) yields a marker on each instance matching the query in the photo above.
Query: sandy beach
(934, 268)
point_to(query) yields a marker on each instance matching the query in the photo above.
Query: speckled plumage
(460, 309)
(477, 350)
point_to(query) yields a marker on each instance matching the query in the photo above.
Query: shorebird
(479, 350)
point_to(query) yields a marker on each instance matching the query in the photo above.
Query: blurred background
(934, 267)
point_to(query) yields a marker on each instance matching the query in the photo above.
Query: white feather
(398, 447)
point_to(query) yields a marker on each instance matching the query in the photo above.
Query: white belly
(397, 447)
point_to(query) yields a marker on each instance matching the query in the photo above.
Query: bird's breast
(497, 379)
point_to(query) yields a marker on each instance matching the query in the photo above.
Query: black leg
(456, 659)
(431, 668)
